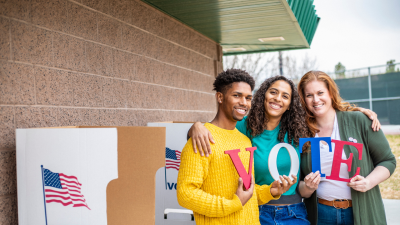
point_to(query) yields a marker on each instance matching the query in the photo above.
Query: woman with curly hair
(327, 115)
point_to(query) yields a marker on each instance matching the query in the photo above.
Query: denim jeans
(329, 215)
(294, 214)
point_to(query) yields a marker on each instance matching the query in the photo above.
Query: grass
(390, 189)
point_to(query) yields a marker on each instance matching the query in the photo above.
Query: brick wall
(96, 62)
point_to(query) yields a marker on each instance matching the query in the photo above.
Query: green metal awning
(237, 25)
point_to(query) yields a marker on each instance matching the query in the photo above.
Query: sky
(357, 33)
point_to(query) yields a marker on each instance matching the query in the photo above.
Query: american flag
(63, 189)
(172, 159)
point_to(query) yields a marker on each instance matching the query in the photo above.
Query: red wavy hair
(337, 101)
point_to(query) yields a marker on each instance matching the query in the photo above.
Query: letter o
(273, 155)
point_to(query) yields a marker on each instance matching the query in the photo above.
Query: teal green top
(264, 143)
(367, 206)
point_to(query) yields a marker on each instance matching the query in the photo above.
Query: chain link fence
(376, 88)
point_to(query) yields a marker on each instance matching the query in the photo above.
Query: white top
(332, 189)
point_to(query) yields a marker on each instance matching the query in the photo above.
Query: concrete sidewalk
(392, 209)
(391, 129)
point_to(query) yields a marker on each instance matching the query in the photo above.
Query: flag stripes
(63, 189)
(172, 159)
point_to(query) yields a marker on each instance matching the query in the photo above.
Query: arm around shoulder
(201, 138)
(378, 147)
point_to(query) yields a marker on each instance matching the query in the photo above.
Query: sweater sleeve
(378, 147)
(264, 194)
(192, 172)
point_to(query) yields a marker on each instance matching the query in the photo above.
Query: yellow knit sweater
(207, 185)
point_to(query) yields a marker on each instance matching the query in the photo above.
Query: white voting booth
(83, 161)
(100, 175)
(168, 211)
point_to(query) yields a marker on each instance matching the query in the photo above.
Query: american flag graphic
(63, 189)
(172, 159)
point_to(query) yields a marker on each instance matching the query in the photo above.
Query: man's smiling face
(237, 101)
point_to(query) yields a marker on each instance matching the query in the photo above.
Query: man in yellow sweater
(209, 185)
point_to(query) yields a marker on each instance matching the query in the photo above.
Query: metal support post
(280, 64)
(369, 88)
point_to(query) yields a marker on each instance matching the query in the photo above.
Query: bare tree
(264, 65)
(259, 65)
(295, 68)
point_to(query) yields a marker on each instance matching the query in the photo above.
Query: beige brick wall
(96, 62)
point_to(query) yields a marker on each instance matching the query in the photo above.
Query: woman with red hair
(327, 115)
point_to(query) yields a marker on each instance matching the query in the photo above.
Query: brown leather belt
(337, 203)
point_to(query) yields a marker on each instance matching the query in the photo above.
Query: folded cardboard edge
(131, 198)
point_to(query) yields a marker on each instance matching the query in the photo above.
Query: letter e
(337, 159)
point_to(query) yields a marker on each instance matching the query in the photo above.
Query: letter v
(246, 177)
(170, 186)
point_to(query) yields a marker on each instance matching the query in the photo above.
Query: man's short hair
(225, 79)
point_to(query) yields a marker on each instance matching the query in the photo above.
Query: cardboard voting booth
(168, 211)
(88, 175)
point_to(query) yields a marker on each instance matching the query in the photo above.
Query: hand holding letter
(312, 180)
(245, 195)
(278, 188)
(359, 183)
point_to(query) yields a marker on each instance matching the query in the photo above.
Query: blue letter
(315, 151)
